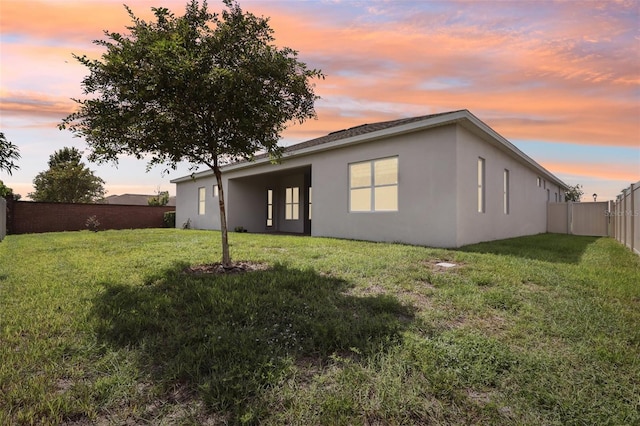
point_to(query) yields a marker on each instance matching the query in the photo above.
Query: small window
(292, 203)
(310, 201)
(201, 200)
(548, 195)
(539, 182)
(215, 191)
(555, 195)
(505, 192)
(269, 207)
(481, 185)
(373, 185)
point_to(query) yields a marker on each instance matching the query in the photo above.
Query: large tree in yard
(203, 88)
(67, 180)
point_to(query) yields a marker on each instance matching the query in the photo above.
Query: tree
(6, 192)
(204, 88)
(162, 199)
(8, 153)
(574, 193)
(67, 180)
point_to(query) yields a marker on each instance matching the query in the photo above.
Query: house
(134, 199)
(441, 180)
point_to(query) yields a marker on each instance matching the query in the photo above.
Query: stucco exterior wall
(527, 201)
(426, 198)
(187, 204)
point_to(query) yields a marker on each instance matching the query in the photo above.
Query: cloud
(34, 105)
(597, 170)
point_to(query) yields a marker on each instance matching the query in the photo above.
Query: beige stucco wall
(187, 204)
(527, 203)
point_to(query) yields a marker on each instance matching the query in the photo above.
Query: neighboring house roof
(134, 199)
(374, 131)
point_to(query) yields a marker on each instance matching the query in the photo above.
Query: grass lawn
(105, 328)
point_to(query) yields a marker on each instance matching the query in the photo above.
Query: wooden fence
(625, 217)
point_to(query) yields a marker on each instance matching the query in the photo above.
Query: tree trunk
(226, 259)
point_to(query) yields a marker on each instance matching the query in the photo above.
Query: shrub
(93, 224)
(169, 219)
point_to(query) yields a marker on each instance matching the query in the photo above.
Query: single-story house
(441, 180)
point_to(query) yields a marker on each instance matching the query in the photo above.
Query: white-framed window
(539, 182)
(310, 201)
(215, 191)
(373, 185)
(269, 207)
(481, 185)
(202, 192)
(505, 191)
(292, 203)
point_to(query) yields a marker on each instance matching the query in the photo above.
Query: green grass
(106, 328)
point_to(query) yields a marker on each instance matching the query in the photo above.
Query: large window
(292, 203)
(505, 192)
(373, 185)
(201, 199)
(481, 184)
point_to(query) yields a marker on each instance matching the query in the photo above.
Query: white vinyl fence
(590, 218)
(625, 217)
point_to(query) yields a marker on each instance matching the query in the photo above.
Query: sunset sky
(561, 80)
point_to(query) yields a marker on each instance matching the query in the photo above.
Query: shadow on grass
(557, 248)
(229, 337)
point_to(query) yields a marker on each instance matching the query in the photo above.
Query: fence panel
(558, 218)
(3, 218)
(626, 217)
(590, 219)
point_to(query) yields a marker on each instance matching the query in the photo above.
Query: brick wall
(25, 217)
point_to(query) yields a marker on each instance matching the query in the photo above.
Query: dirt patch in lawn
(219, 269)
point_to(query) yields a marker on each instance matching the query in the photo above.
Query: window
(215, 191)
(555, 194)
(269, 207)
(201, 199)
(505, 192)
(373, 185)
(539, 182)
(548, 195)
(310, 201)
(292, 203)
(481, 185)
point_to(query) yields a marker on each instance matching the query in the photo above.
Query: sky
(559, 79)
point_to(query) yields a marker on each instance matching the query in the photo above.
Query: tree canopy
(6, 192)
(8, 154)
(67, 180)
(203, 88)
(574, 193)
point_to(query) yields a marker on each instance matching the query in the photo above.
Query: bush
(169, 219)
(93, 224)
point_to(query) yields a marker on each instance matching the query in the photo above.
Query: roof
(374, 131)
(134, 199)
(361, 129)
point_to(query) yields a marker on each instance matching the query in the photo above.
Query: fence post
(631, 216)
(624, 218)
